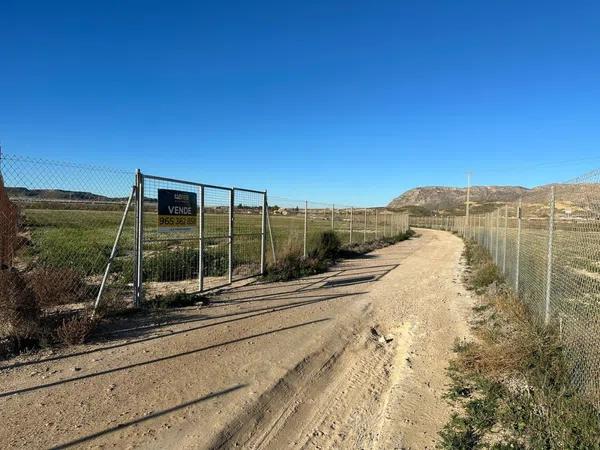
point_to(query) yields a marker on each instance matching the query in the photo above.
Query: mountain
(430, 198)
(575, 197)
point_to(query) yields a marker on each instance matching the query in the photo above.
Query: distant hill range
(451, 200)
(54, 194)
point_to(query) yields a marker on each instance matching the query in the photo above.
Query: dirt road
(354, 358)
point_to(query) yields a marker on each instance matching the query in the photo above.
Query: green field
(81, 240)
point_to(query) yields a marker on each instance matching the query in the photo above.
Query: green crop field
(82, 239)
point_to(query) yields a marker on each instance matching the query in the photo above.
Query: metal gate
(217, 238)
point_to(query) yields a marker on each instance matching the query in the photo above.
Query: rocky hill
(449, 198)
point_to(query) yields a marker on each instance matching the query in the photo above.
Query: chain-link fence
(61, 220)
(296, 224)
(80, 233)
(547, 245)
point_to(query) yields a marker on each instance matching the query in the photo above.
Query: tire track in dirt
(264, 366)
(360, 391)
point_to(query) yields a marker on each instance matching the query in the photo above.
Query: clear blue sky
(344, 101)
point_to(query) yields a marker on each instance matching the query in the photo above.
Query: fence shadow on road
(132, 333)
(162, 359)
(164, 412)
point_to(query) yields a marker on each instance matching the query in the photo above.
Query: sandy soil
(354, 358)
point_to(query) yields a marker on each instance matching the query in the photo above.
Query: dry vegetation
(511, 384)
(323, 250)
(30, 314)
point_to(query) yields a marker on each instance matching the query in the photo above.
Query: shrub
(74, 330)
(360, 248)
(54, 287)
(293, 266)
(19, 311)
(177, 300)
(485, 275)
(325, 246)
(324, 249)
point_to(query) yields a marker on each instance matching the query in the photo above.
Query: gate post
(231, 206)
(139, 240)
(305, 226)
(201, 243)
(263, 234)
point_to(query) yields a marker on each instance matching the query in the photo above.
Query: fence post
(365, 229)
(497, 254)
(351, 221)
(201, 244)
(231, 206)
(332, 218)
(518, 262)
(263, 236)
(490, 234)
(139, 241)
(376, 231)
(305, 226)
(549, 268)
(505, 238)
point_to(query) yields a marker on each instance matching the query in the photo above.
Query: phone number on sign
(176, 221)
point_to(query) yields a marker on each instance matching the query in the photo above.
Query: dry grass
(19, 311)
(512, 383)
(53, 287)
(74, 330)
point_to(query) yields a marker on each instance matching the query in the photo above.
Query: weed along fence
(547, 246)
(83, 235)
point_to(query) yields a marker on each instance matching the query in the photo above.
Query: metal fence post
(139, 244)
(351, 222)
(305, 226)
(549, 267)
(263, 235)
(505, 238)
(496, 253)
(376, 231)
(332, 217)
(365, 229)
(231, 206)
(201, 244)
(518, 262)
(490, 234)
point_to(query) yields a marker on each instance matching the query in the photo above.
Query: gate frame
(138, 281)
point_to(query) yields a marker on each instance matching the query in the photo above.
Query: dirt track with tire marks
(352, 358)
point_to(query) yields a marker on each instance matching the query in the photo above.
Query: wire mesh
(248, 233)
(67, 220)
(59, 221)
(548, 248)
